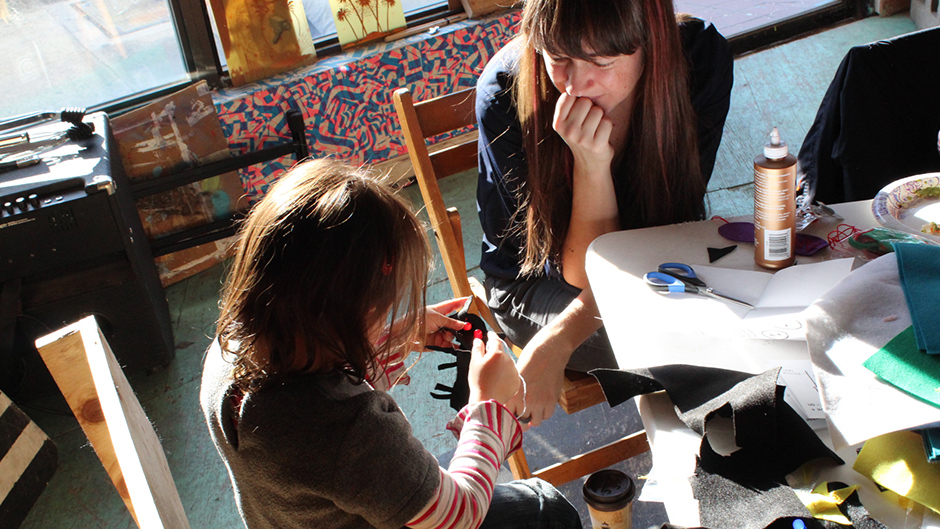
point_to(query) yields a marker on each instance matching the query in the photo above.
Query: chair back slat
(455, 159)
(448, 112)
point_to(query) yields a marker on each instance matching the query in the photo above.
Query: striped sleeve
(487, 433)
(390, 371)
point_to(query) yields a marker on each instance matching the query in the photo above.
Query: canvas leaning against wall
(174, 133)
(366, 20)
(262, 38)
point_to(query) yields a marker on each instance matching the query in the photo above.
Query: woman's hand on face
(585, 128)
(438, 327)
(493, 372)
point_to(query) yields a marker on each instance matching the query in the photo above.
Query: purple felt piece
(737, 231)
(806, 245)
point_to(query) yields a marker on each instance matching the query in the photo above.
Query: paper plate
(901, 205)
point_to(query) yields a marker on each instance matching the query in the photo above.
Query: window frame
(800, 25)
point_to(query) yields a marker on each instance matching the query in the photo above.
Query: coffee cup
(609, 496)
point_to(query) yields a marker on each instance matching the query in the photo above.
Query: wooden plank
(519, 465)
(580, 391)
(455, 159)
(91, 380)
(597, 459)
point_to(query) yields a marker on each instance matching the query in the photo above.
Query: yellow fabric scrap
(824, 505)
(897, 461)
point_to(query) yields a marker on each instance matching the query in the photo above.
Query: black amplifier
(72, 245)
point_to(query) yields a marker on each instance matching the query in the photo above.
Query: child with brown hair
(323, 301)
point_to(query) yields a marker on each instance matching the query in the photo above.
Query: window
(91, 53)
(82, 53)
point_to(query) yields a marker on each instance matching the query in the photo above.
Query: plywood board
(91, 380)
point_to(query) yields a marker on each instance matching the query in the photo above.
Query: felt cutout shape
(901, 364)
(459, 392)
(896, 461)
(715, 254)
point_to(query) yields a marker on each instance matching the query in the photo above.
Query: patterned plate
(901, 205)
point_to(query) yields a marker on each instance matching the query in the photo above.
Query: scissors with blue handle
(679, 277)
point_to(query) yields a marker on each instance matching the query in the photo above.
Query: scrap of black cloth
(773, 439)
(715, 254)
(729, 505)
(724, 503)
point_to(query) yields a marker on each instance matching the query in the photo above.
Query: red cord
(840, 234)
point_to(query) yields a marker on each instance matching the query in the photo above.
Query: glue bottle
(775, 205)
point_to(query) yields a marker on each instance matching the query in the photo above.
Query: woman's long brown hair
(328, 254)
(660, 163)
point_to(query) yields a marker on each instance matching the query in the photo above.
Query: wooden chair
(453, 112)
(93, 384)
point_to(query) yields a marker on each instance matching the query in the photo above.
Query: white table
(616, 263)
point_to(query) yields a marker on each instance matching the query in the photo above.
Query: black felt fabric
(772, 439)
(715, 254)
(724, 503)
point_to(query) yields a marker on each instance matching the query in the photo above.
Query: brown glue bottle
(775, 205)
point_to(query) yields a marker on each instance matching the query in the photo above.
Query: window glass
(68, 53)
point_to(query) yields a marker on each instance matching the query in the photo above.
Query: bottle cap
(775, 148)
(608, 490)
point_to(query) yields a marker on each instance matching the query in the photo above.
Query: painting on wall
(262, 38)
(366, 20)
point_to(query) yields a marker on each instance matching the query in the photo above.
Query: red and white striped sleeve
(391, 371)
(487, 433)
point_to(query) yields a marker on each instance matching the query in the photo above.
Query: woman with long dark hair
(600, 115)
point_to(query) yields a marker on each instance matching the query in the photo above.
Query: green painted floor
(781, 86)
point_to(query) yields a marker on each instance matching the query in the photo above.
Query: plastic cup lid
(608, 490)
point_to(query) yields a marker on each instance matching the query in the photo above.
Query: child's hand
(438, 327)
(493, 373)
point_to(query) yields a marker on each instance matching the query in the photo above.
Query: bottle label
(777, 245)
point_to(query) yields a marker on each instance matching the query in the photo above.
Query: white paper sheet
(802, 393)
(779, 299)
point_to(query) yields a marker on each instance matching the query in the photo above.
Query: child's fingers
(479, 348)
(457, 325)
(493, 343)
(446, 307)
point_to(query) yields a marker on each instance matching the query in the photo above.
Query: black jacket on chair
(878, 121)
